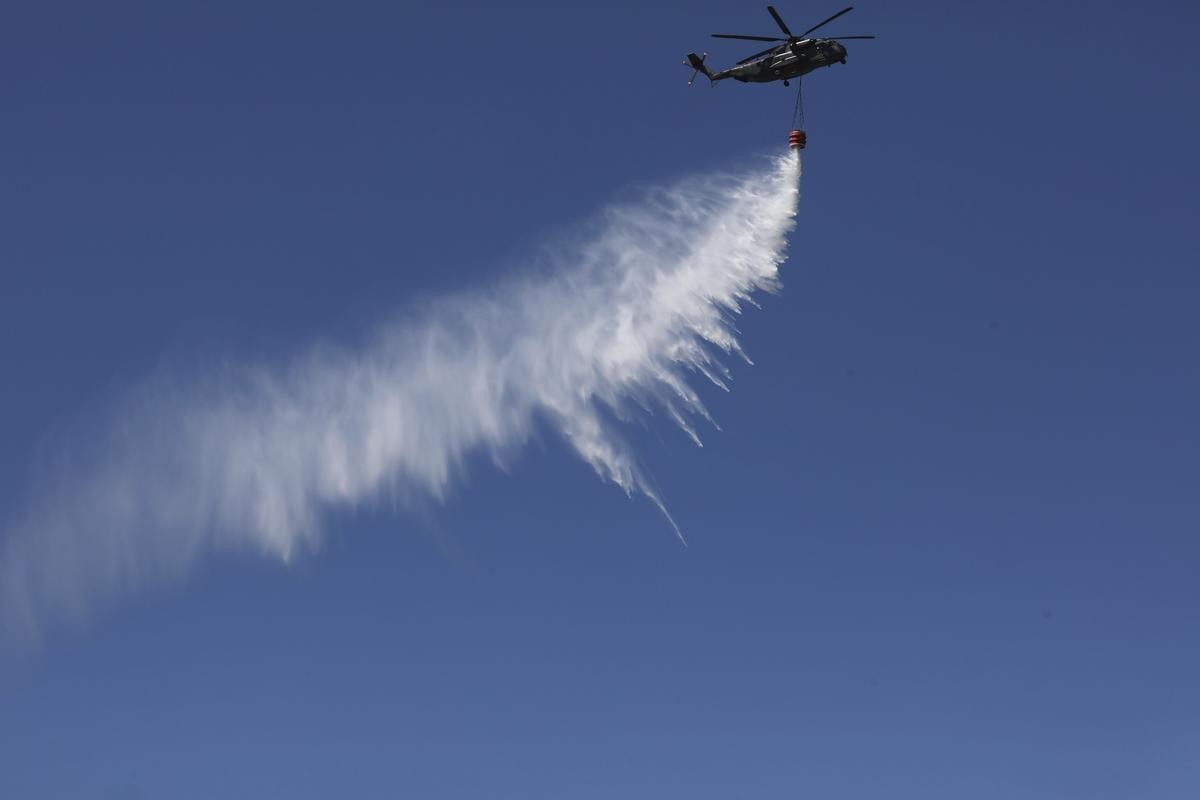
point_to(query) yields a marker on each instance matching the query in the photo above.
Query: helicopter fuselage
(786, 62)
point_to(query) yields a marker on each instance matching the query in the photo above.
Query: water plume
(252, 457)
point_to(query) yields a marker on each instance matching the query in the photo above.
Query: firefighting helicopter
(795, 57)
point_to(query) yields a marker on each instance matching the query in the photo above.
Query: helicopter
(795, 57)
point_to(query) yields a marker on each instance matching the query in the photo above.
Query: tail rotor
(697, 64)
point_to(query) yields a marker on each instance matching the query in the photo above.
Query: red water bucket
(797, 140)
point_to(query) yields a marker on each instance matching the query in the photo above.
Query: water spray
(251, 458)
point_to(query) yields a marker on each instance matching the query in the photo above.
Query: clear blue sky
(944, 546)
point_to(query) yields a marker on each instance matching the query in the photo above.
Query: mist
(622, 319)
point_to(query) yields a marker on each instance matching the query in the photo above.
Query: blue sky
(944, 543)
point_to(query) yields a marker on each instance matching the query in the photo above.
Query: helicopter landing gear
(785, 83)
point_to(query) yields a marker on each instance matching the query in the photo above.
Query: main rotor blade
(841, 38)
(845, 10)
(779, 21)
(751, 38)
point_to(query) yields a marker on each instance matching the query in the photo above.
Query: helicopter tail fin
(697, 63)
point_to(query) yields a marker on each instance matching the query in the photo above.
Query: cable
(798, 114)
